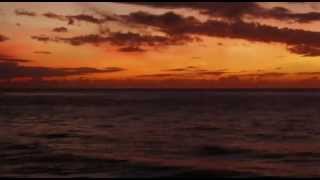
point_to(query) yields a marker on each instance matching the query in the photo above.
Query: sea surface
(160, 133)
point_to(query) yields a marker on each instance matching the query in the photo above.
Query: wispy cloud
(23, 12)
(71, 19)
(60, 29)
(189, 71)
(10, 59)
(12, 70)
(42, 52)
(3, 38)
(131, 49)
(238, 10)
(128, 42)
(42, 38)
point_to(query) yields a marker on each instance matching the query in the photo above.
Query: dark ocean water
(160, 134)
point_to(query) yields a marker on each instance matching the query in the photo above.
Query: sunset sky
(187, 45)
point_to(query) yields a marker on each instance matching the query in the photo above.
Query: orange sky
(147, 45)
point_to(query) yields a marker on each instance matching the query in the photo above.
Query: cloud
(60, 29)
(199, 73)
(94, 39)
(298, 41)
(131, 49)
(84, 39)
(210, 8)
(86, 18)
(238, 10)
(12, 70)
(309, 73)
(212, 73)
(178, 69)
(305, 50)
(169, 23)
(42, 52)
(71, 19)
(42, 38)
(9, 59)
(180, 30)
(186, 69)
(166, 22)
(256, 32)
(189, 71)
(51, 15)
(160, 75)
(23, 12)
(284, 14)
(136, 39)
(3, 38)
(126, 41)
(259, 74)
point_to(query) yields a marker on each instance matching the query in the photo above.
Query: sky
(160, 45)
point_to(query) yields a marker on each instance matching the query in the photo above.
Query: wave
(255, 154)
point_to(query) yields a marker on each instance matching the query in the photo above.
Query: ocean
(160, 133)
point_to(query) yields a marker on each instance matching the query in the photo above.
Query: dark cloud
(264, 75)
(11, 70)
(42, 38)
(23, 12)
(42, 52)
(178, 69)
(186, 69)
(137, 40)
(281, 13)
(272, 74)
(191, 67)
(127, 41)
(231, 10)
(9, 59)
(196, 72)
(277, 74)
(256, 32)
(298, 41)
(179, 30)
(85, 39)
(305, 50)
(85, 18)
(183, 73)
(168, 22)
(160, 75)
(131, 49)
(51, 15)
(212, 73)
(309, 73)
(71, 19)
(60, 29)
(3, 38)
(239, 10)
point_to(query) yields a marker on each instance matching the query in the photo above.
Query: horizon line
(157, 89)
